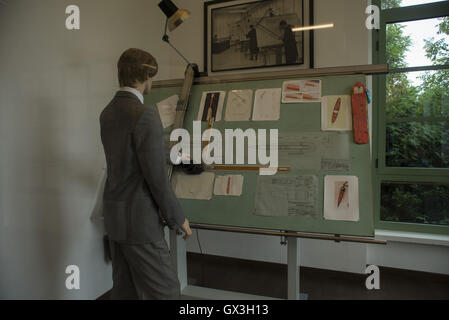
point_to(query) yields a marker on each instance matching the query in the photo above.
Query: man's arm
(148, 137)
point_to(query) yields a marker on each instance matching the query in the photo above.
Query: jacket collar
(129, 94)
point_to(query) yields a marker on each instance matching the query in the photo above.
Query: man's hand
(186, 228)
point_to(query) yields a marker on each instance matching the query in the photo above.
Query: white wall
(414, 256)
(53, 85)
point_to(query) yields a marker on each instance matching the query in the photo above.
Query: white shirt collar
(134, 91)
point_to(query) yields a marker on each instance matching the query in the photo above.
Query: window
(411, 117)
(390, 4)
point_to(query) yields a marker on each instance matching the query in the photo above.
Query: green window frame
(381, 172)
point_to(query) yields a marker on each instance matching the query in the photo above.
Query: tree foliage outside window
(415, 203)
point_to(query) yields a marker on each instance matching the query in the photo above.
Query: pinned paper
(167, 110)
(336, 113)
(211, 105)
(341, 198)
(198, 187)
(287, 195)
(267, 105)
(230, 185)
(295, 91)
(238, 107)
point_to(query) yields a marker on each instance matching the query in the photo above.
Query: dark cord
(165, 38)
(198, 240)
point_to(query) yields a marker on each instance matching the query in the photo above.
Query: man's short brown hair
(134, 66)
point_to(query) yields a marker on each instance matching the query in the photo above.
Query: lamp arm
(165, 38)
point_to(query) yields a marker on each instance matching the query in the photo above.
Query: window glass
(415, 203)
(415, 95)
(390, 4)
(418, 43)
(417, 144)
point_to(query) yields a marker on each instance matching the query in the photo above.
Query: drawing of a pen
(336, 110)
(298, 96)
(312, 83)
(342, 193)
(293, 87)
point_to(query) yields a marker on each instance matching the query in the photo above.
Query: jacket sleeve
(151, 153)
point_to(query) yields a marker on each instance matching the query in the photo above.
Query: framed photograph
(249, 34)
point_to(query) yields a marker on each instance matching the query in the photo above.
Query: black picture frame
(212, 47)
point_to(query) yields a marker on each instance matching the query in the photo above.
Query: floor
(270, 279)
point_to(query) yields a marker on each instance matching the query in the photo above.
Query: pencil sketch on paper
(267, 105)
(238, 106)
(314, 150)
(287, 195)
(335, 164)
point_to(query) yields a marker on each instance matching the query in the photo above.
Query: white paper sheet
(222, 95)
(294, 91)
(198, 187)
(230, 185)
(167, 110)
(267, 105)
(287, 195)
(343, 116)
(341, 198)
(238, 106)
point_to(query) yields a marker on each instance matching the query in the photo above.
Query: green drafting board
(301, 120)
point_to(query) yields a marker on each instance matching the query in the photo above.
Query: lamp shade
(175, 16)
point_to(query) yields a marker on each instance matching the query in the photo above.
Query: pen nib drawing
(342, 193)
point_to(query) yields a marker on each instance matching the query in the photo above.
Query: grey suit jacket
(138, 199)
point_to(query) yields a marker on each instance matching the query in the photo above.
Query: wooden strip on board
(288, 74)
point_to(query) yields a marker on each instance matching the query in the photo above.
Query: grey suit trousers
(143, 272)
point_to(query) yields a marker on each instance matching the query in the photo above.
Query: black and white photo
(256, 34)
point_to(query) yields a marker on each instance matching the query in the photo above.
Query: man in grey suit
(138, 200)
